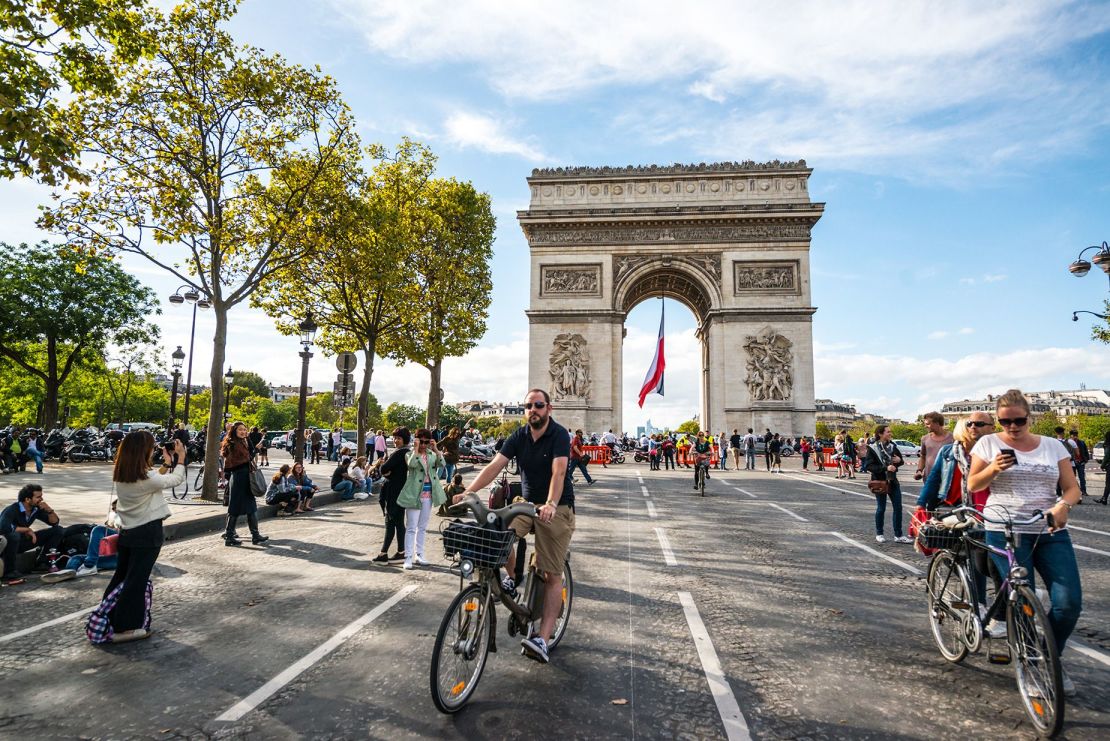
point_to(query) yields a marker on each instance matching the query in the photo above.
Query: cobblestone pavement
(816, 637)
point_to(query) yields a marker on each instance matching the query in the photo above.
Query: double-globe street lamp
(308, 334)
(1081, 267)
(177, 357)
(192, 296)
(229, 381)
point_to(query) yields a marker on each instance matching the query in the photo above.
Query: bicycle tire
(475, 628)
(701, 482)
(946, 588)
(564, 617)
(1036, 662)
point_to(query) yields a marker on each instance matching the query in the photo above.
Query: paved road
(810, 634)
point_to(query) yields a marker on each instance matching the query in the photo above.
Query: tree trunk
(434, 395)
(216, 408)
(364, 397)
(50, 385)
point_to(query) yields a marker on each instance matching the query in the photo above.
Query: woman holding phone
(1022, 471)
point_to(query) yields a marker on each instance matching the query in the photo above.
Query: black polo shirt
(534, 459)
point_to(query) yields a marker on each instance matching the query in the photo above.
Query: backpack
(750, 444)
(99, 630)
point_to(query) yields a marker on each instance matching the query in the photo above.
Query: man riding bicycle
(542, 450)
(701, 456)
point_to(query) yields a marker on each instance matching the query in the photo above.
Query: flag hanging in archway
(653, 383)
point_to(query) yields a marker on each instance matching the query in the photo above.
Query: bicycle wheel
(701, 480)
(564, 615)
(461, 648)
(949, 598)
(1036, 662)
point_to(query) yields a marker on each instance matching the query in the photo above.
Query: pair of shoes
(508, 586)
(1102, 501)
(232, 539)
(880, 539)
(902, 539)
(1067, 685)
(419, 561)
(381, 558)
(59, 575)
(535, 648)
(258, 539)
(397, 557)
(84, 570)
(126, 636)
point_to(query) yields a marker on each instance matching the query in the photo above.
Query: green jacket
(409, 498)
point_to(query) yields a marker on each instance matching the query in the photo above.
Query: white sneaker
(419, 561)
(1067, 684)
(407, 566)
(902, 539)
(880, 539)
(84, 570)
(996, 628)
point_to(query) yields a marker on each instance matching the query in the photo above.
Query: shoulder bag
(258, 481)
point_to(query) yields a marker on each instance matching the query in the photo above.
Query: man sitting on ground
(15, 524)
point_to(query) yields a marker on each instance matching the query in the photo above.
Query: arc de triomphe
(729, 240)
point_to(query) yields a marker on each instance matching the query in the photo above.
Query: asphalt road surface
(764, 610)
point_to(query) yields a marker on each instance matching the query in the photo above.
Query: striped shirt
(1027, 486)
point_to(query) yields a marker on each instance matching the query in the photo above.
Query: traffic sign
(345, 362)
(345, 378)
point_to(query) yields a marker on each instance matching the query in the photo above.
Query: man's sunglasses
(973, 423)
(1016, 421)
(536, 404)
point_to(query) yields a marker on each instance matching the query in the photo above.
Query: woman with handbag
(237, 466)
(395, 473)
(883, 462)
(141, 509)
(422, 492)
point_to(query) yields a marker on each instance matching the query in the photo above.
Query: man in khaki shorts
(542, 451)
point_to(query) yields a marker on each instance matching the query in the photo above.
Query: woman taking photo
(883, 462)
(1022, 471)
(237, 467)
(395, 469)
(422, 492)
(141, 509)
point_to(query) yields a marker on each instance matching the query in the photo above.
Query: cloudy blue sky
(961, 148)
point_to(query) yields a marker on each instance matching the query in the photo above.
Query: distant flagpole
(653, 383)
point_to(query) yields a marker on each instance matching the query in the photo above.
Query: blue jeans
(1053, 557)
(580, 465)
(450, 472)
(92, 557)
(895, 494)
(749, 459)
(37, 456)
(1081, 475)
(346, 490)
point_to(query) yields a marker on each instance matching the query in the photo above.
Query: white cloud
(475, 131)
(939, 334)
(966, 330)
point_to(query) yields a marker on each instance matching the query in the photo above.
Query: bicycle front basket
(935, 536)
(484, 548)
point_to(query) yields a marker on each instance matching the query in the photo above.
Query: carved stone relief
(746, 165)
(571, 280)
(548, 235)
(765, 277)
(570, 367)
(770, 366)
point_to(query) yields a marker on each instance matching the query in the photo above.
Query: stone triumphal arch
(730, 241)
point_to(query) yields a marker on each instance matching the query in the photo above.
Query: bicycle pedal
(999, 655)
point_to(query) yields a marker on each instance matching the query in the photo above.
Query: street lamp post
(1081, 267)
(308, 334)
(177, 358)
(229, 381)
(193, 297)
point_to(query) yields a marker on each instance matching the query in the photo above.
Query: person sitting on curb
(341, 481)
(305, 487)
(102, 553)
(283, 492)
(15, 524)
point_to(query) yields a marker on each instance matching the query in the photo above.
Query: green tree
(450, 417)
(403, 415)
(486, 425)
(824, 432)
(49, 48)
(205, 163)
(1046, 424)
(689, 426)
(361, 292)
(913, 433)
(58, 309)
(251, 382)
(451, 263)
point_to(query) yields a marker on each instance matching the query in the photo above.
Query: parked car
(1098, 453)
(907, 449)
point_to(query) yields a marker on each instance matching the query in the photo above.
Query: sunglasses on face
(978, 424)
(1016, 421)
(536, 404)
(424, 440)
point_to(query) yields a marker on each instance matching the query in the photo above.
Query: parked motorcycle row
(85, 444)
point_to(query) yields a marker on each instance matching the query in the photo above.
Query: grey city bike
(467, 633)
(958, 628)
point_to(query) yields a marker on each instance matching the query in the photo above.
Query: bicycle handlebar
(483, 514)
(1037, 516)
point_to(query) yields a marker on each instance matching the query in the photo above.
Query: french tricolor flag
(653, 383)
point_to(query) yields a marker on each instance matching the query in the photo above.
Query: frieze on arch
(770, 366)
(707, 263)
(558, 234)
(569, 367)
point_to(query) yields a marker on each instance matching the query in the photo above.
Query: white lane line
(753, 496)
(1087, 651)
(1089, 550)
(651, 508)
(784, 509)
(736, 728)
(263, 693)
(645, 491)
(665, 545)
(1086, 529)
(908, 567)
(827, 486)
(47, 624)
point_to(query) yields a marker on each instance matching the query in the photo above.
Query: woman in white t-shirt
(1023, 479)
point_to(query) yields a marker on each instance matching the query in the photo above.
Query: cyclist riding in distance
(542, 451)
(701, 455)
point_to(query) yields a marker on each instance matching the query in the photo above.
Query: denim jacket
(939, 480)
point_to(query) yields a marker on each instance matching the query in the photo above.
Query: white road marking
(645, 491)
(651, 508)
(263, 693)
(47, 624)
(908, 567)
(753, 496)
(827, 486)
(1086, 529)
(665, 545)
(736, 728)
(1087, 651)
(1089, 550)
(784, 509)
